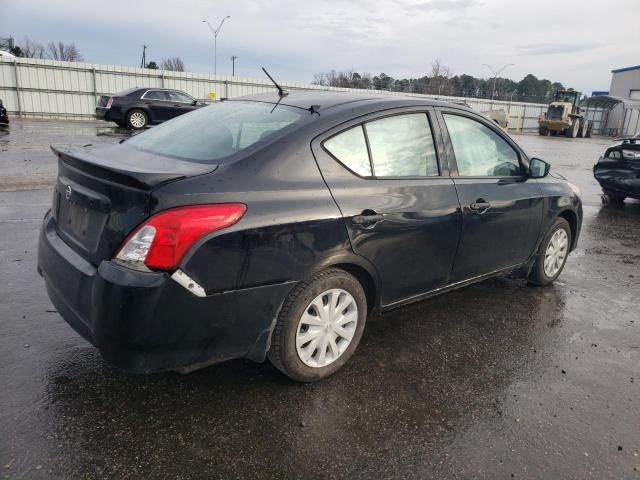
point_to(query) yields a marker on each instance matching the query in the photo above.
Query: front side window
(402, 146)
(180, 97)
(217, 131)
(479, 151)
(350, 148)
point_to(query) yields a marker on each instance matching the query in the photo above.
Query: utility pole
(495, 76)
(233, 65)
(144, 56)
(215, 33)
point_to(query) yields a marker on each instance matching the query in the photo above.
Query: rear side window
(479, 151)
(217, 131)
(350, 148)
(402, 146)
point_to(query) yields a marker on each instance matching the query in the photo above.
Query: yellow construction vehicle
(565, 116)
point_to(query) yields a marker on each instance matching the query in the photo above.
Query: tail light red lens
(162, 241)
(109, 102)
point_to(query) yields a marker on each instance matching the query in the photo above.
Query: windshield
(217, 131)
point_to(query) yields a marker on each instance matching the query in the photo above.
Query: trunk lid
(103, 192)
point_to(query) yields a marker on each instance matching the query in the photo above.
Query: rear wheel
(544, 131)
(319, 326)
(137, 119)
(552, 253)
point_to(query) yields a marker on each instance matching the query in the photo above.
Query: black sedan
(271, 226)
(138, 108)
(618, 171)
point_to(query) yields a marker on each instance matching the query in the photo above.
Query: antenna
(281, 92)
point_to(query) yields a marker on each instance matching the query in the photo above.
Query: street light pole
(495, 75)
(215, 33)
(233, 65)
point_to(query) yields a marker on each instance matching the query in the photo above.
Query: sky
(577, 43)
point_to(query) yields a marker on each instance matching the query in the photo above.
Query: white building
(625, 83)
(622, 103)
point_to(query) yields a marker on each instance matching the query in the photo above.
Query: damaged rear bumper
(145, 321)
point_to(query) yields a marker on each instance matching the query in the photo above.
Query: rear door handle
(368, 219)
(480, 205)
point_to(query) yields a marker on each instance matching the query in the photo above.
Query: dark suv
(139, 107)
(271, 226)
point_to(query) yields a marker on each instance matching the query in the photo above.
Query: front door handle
(480, 205)
(367, 219)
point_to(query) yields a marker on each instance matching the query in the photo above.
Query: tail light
(161, 242)
(109, 102)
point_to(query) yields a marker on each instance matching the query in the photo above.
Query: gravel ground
(498, 380)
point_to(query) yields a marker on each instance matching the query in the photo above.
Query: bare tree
(174, 63)
(31, 49)
(65, 52)
(439, 78)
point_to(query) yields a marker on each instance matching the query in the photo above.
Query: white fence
(47, 88)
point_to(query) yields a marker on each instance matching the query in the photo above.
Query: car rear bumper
(108, 114)
(145, 321)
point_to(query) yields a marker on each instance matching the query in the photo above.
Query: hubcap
(326, 328)
(556, 253)
(137, 119)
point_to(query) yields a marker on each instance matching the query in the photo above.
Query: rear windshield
(216, 131)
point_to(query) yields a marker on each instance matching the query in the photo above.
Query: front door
(501, 207)
(401, 210)
(181, 103)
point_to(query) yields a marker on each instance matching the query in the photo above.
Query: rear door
(398, 201)
(501, 206)
(159, 104)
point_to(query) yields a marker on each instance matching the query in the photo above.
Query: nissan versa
(271, 225)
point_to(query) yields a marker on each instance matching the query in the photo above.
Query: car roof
(324, 100)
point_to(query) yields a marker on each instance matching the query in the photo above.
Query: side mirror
(194, 103)
(538, 168)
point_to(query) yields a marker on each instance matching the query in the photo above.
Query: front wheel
(613, 198)
(572, 131)
(137, 119)
(319, 326)
(544, 131)
(552, 253)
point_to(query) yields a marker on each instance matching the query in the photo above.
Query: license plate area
(80, 215)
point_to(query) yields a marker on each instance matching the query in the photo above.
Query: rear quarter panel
(292, 226)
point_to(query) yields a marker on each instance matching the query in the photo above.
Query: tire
(137, 119)
(572, 131)
(614, 198)
(544, 131)
(545, 276)
(288, 341)
(584, 128)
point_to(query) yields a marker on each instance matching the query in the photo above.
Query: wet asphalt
(498, 380)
